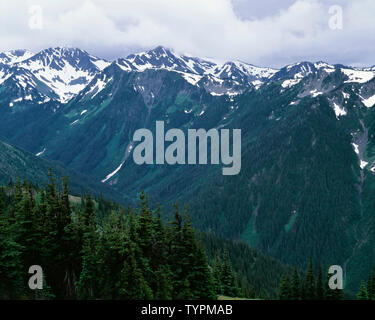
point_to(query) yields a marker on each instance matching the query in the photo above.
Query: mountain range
(308, 147)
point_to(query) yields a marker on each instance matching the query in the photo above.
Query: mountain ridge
(308, 147)
(208, 72)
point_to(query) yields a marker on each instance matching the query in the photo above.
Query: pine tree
(371, 285)
(285, 288)
(133, 284)
(296, 286)
(218, 274)
(87, 285)
(372, 289)
(145, 239)
(319, 283)
(228, 280)
(68, 248)
(162, 284)
(362, 294)
(201, 279)
(309, 283)
(88, 216)
(113, 251)
(329, 293)
(51, 241)
(179, 257)
(11, 284)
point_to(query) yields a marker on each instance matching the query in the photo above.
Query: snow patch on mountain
(363, 164)
(358, 76)
(346, 95)
(291, 82)
(14, 56)
(128, 150)
(98, 86)
(66, 71)
(4, 76)
(339, 111)
(355, 147)
(324, 66)
(113, 173)
(62, 81)
(369, 102)
(192, 78)
(314, 93)
(41, 152)
(295, 73)
(99, 63)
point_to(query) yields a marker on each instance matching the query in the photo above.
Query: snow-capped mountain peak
(14, 56)
(163, 58)
(65, 70)
(61, 73)
(195, 69)
(160, 58)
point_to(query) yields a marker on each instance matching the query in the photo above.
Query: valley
(307, 179)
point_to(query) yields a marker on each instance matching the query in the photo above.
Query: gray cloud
(265, 33)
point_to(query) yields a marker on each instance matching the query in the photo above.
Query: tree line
(367, 290)
(93, 249)
(311, 285)
(90, 248)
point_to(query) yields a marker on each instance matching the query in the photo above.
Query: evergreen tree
(371, 285)
(11, 284)
(179, 258)
(309, 283)
(218, 274)
(113, 250)
(97, 250)
(146, 239)
(362, 294)
(201, 279)
(296, 286)
(329, 293)
(228, 280)
(133, 283)
(162, 284)
(319, 283)
(87, 285)
(285, 288)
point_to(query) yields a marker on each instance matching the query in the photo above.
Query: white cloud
(213, 28)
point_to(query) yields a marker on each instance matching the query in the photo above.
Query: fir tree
(329, 293)
(371, 285)
(218, 274)
(319, 283)
(228, 280)
(285, 288)
(362, 294)
(87, 285)
(11, 284)
(296, 286)
(309, 283)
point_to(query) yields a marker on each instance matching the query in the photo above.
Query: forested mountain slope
(308, 159)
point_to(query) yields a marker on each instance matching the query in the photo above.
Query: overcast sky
(262, 32)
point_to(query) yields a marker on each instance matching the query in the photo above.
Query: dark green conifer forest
(93, 249)
(90, 248)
